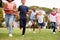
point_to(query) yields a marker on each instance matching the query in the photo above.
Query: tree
(0, 3)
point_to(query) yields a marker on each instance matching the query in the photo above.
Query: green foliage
(47, 10)
(0, 3)
(1, 17)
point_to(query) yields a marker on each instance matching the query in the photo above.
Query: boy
(52, 18)
(23, 11)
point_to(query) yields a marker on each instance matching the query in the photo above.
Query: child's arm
(28, 13)
(37, 16)
(5, 7)
(43, 18)
(18, 13)
(56, 19)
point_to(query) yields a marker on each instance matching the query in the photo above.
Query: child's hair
(8, 0)
(40, 11)
(54, 8)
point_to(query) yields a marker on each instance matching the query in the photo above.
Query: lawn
(45, 34)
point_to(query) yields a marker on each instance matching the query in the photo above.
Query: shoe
(34, 32)
(10, 35)
(23, 35)
(51, 30)
(59, 30)
(54, 33)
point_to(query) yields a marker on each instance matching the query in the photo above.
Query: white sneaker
(34, 32)
(51, 30)
(10, 35)
(30, 30)
(59, 30)
(23, 35)
(54, 33)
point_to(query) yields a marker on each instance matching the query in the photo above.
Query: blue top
(23, 11)
(32, 16)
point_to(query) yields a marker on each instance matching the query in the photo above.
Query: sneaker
(23, 35)
(51, 30)
(10, 35)
(59, 30)
(54, 33)
(30, 30)
(34, 32)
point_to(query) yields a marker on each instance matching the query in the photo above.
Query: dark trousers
(23, 25)
(53, 26)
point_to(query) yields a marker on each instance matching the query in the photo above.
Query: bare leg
(39, 28)
(59, 28)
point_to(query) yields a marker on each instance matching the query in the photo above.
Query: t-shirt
(23, 11)
(52, 18)
(40, 19)
(9, 6)
(32, 16)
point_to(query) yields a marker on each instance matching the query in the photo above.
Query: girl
(33, 18)
(9, 9)
(52, 18)
(58, 18)
(40, 18)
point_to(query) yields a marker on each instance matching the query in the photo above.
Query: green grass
(45, 34)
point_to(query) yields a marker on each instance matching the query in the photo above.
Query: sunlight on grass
(45, 34)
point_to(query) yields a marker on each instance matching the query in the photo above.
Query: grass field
(45, 34)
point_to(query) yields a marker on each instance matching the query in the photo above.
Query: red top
(9, 7)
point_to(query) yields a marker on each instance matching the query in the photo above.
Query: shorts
(41, 24)
(22, 22)
(32, 20)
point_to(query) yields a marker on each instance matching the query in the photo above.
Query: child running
(52, 18)
(58, 18)
(9, 9)
(23, 17)
(40, 18)
(33, 18)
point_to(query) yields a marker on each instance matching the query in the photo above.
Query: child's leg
(33, 27)
(6, 20)
(59, 28)
(24, 27)
(21, 24)
(39, 25)
(53, 29)
(54, 26)
(10, 23)
(39, 28)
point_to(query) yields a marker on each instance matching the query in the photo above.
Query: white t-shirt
(40, 19)
(52, 18)
(33, 15)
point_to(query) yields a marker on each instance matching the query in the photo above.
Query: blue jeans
(9, 20)
(54, 26)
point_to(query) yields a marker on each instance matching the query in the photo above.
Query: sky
(41, 3)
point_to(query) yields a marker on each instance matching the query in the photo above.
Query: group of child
(10, 10)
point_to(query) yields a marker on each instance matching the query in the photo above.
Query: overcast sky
(41, 3)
